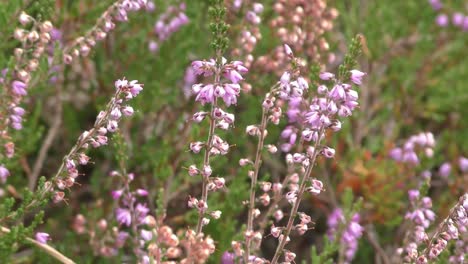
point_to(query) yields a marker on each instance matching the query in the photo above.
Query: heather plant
(265, 132)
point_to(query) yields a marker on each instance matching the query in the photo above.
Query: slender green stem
(207, 155)
(253, 185)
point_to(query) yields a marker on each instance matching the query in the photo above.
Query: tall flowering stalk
(323, 115)
(107, 121)
(420, 217)
(225, 88)
(270, 113)
(349, 236)
(34, 37)
(117, 12)
(454, 225)
(168, 23)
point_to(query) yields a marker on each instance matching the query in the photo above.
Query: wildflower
(326, 76)
(19, 88)
(316, 188)
(42, 237)
(442, 20)
(123, 216)
(4, 173)
(463, 164)
(146, 234)
(116, 194)
(356, 76)
(444, 170)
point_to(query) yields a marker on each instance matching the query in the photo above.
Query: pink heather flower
(436, 4)
(463, 163)
(239, 66)
(123, 216)
(141, 211)
(316, 188)
(42, 237)
(231, 93)
(135, 88)
(338, 93)
(206, 94)
(153, 46)
(356, 76)
(203, 67)
(121, 237)
(17, 111)
(4, 173)
(234, 76)
(227, 258)
(413, 194)
(146, 234)
(328, 152)
(142, 192)
(127, 110)
(115, 114)
(457, 19)
(119, 84)
(465, 23)
(116, 194)
(285, 79)
(442, 20)
(19, 88)
(150, 6)
(288, 50)
(326, 76)
(444, 170)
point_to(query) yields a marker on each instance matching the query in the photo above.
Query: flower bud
(46, 26)
(24, 19)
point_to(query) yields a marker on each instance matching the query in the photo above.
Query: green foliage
(218, 27)
(328, 252)
(350, 59)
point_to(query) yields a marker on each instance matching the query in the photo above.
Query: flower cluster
(249, 34)
(351, 233)
(227, 91)
(105, 239)
(461, 247)
(34, 37)
(107, 121)
(300, 24)
(421, 216)
(458, 19)
(322, 115)
(408, 153)
(454, 226)
(446, 168)
(168, 23)
(131, 213)
(118, 12)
